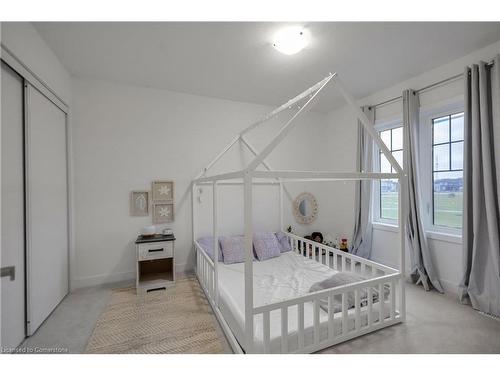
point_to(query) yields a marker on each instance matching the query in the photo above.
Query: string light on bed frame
(291, 40)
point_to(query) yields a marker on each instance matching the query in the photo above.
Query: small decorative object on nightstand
(155, 262)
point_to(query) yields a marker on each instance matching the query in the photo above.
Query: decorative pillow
(266, 245)
(344, 278)
(233, 249)
(283, 241)
(207, 243)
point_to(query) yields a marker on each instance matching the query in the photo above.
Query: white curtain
(362, 235)
(481, 221)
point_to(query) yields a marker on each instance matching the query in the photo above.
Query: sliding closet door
(47, 207)
(13, 321)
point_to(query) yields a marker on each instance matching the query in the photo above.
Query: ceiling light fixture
(290, 40)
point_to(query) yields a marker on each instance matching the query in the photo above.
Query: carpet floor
(175, 320)
(435, 323)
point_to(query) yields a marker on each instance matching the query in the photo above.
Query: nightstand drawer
(155, 250)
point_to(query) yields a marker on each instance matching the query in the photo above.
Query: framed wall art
(139, 203)
(163, 191)
(163, 213)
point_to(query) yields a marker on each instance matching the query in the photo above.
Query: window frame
(380, 127)
(426, 169)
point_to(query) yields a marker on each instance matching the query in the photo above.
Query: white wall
(22, 39)
(127, 136)
(342, 130)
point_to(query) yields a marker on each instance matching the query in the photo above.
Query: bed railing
(346, 323)
(205, 273)
(342, 325)
(335, 258)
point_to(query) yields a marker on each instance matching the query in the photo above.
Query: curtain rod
(426, 88)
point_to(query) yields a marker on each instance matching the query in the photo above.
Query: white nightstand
(155, 268)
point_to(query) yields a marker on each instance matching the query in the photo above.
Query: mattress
(277, 279)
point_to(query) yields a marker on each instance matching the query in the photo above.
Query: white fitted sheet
(277, 279)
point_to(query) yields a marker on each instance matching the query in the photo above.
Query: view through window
(447, 170)
(393, 139)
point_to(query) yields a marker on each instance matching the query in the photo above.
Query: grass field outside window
(447, 170)
(388, 189)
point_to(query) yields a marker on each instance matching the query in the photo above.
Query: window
(447, 170)
(440, 155)
(386, 206)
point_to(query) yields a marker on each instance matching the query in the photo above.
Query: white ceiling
(236, 60)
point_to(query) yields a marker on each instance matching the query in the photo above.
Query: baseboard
(449, 287)
(99, 280)
(384, 262)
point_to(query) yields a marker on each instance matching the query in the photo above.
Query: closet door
(13, 320)
(47, 207)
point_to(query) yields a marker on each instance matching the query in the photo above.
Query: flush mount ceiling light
(290, 40)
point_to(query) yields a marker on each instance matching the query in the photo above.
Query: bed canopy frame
(207, 270)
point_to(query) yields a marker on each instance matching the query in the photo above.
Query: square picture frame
(139, 203)
(162, 191)
(163, 213)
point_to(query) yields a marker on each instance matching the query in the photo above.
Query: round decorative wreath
(301, 219)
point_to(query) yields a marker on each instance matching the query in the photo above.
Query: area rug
(176, 320)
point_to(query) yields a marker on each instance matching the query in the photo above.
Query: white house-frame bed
(296, 334)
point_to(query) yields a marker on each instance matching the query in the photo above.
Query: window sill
(385, 226)
(446, 237)
(438, 236)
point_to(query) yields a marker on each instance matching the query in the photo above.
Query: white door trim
(17, 65)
